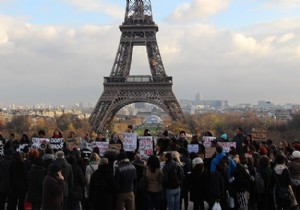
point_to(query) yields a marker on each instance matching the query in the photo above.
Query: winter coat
(199, 184)
(89, 170)
(102, 188)
(126, 176)
(5, 175)
(36, 176)
(294, 168)
(67, 173)
(18, 177)
(53, 193)
(154, 180)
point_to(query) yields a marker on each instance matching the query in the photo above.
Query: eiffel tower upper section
(138, 28)
(121, 88)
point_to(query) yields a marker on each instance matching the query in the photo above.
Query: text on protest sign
(259, 135)
(129, 142)
(146, 145)
(57, 143)
(103, 147)
(36, 142)
(207, 140)
(227, 146)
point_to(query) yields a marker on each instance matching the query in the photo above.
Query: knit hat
(224, 136)
(197, 161)
(296, 154)
(296, 146)
(263, 150)
(33, 153)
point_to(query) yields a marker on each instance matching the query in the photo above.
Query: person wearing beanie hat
(263, 150)
(67, 172)
(197, 161)
(296, 146)
(199, 178)
(53, 189)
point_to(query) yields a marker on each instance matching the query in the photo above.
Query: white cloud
(199, 9)
(283, 4)
(251, 45)
(57, 64)
(286, 37)
(99, 6)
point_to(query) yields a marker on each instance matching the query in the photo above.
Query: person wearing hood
(294, 167)
(53, 189)
(282, 181)
(198, 184)
(67, 172)
(220, 155)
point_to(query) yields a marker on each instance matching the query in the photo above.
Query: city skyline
(57, 52)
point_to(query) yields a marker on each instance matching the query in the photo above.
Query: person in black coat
(218, 185)
(198, 184)
(67, 172)
(18, 182)
(53, 189)
(36, 176)
(103, 187)
(4, 177)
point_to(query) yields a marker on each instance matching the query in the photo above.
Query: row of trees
(196, 124)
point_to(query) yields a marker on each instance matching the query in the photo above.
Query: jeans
(173, 198)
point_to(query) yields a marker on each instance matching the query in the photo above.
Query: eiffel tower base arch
(116, 96)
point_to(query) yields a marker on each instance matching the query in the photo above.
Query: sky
(58, 51)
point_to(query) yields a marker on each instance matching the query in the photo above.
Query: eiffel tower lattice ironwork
(120, 88)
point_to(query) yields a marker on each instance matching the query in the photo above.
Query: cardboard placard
(259, 135)
(129, 142)
(146, 146)
(72, 143)
(193, 148)
(57, 143)
(207, 140)
(227, 145)
(36, 142)
(115, 146)
(103, 147)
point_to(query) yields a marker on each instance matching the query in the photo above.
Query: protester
(126, 179)
(53, 189)
(36, 176)
(103, 187)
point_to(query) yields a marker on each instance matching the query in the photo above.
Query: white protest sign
(146, 146)
(227, 146)
(21, 147)
(57, 143)
(207, 140)
(129, 142)
(193, 148)
(36, 142)
(103, 147)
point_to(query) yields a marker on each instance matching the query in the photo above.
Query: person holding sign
(115, 139)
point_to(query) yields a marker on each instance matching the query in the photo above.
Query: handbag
(229, 200)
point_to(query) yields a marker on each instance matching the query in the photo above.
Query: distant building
(152, 120)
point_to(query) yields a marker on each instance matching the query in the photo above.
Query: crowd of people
(252, 175)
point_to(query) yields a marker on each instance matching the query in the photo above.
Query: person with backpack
(284, 196)
(173, 177)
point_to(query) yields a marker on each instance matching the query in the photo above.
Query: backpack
(259, 183)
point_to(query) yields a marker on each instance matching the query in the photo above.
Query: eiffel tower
(121, 88)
